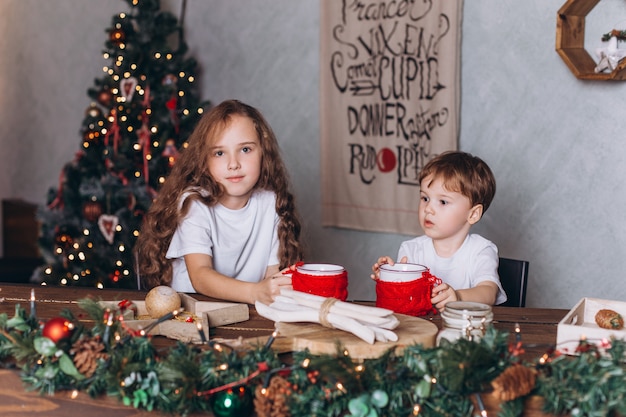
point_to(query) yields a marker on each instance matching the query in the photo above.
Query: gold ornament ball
(162, 300)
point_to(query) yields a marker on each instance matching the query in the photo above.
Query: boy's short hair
(464, 173)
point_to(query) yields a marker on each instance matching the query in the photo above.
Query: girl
(224, 212)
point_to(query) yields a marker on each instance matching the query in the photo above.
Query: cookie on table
(609, 319)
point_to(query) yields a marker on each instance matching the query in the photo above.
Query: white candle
(33, 310)
(201, 332)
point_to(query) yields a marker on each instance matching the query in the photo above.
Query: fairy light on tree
(140, 113)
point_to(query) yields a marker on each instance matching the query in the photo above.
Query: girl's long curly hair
(191, 173)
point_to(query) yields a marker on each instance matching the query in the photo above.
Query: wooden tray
(580, 323)
(212, 314)
(322, 340)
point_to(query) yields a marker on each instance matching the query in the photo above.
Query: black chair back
(514, 278)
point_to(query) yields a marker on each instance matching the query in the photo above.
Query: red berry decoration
(127, 305)
(57, 329)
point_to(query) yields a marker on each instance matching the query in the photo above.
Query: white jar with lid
(464, 319)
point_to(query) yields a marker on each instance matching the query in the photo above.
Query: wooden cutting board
(321, 340)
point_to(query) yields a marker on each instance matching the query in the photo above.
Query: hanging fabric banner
(389, 102)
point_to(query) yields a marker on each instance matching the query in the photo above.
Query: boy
(456, 189)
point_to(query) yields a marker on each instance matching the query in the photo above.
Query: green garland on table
(439, 381)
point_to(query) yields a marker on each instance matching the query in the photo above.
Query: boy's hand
(381, 261)
(442, 295)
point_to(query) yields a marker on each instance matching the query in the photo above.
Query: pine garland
(440, 381)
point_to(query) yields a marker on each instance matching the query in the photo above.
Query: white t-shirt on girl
(243, 243)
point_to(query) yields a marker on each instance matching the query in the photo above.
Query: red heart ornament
(127, 85)
(107, 224)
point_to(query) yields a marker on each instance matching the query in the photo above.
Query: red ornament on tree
(57, 329)
(92, 211)
(105, 97)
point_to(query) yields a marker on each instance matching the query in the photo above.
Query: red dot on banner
(386, 160)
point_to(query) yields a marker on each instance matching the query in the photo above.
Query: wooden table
(538, 327)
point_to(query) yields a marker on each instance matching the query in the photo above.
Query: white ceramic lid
(469, 308)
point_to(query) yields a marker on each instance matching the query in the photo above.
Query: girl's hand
(442, 295)
(290, 269)
(269, 288)
(381, 261)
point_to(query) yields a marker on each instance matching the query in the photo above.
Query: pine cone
(273, 403)
(86, 352)
(609, 319)
(516, 381)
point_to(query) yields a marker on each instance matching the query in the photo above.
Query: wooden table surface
(538, 327)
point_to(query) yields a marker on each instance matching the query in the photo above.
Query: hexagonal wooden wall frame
(570, 42)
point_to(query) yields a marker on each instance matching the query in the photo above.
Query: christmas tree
(144, 108)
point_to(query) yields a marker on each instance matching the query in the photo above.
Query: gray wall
(555, 143)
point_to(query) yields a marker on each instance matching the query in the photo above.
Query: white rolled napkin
(368, 323)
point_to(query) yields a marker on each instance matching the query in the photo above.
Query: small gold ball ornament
(162, 300)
